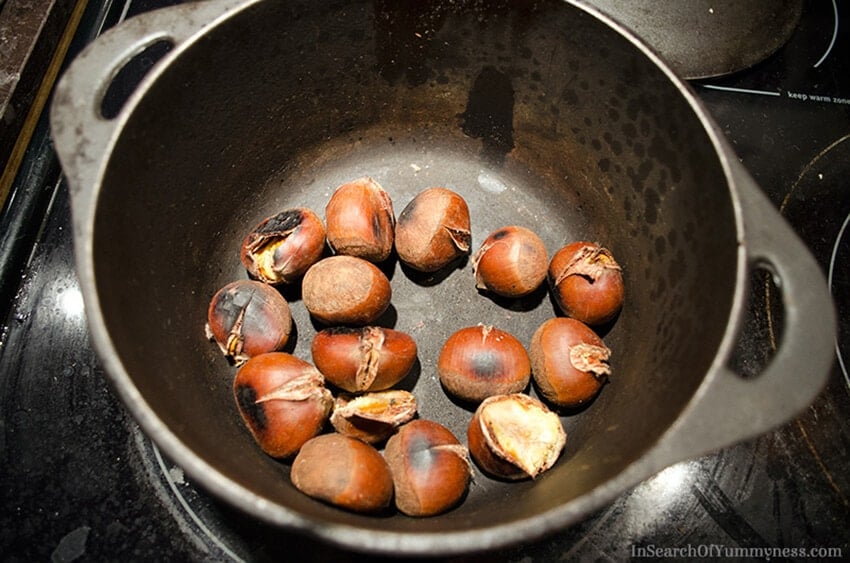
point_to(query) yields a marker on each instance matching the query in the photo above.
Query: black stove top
(81, 481)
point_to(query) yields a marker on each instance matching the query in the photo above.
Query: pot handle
(729, 408)
(81, 133)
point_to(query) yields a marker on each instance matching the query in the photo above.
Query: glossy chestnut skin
(515, 437)
(479, 361)
(373, 417)
(511, 262)
(360, 220)
(344, 472)
(433, 230)
(246, 318)
(281, 248)
(282, 400)
(430, 468)
(363, 359)
(587, 283)
(345, 290)
(569, 362)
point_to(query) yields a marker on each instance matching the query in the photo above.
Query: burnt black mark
(489, 114)
(408, 212)
(500, 234)
(283, 222)
(246, 397)
(486, 365)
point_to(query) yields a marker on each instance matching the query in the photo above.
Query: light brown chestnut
(360, 220)
(373, 417)
(433, 230)
(344, 472)
(282, 247)
(430, 468)
(515, 437)
(370, 358)
(282, 400)
(246, 318)
(569, 362)
(479, 361)
(345, 290)
(587, 283)
(511, 262)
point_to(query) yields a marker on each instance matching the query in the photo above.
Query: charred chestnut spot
(487, 364)
(500, 234)
(408, 212)
(420, 454)
(246, 396)
(281, 223)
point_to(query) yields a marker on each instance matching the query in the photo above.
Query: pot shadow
(430, 279)
(525, 303)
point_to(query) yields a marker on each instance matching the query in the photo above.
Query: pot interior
(536, 112)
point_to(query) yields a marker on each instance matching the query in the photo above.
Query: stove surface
(81, 481)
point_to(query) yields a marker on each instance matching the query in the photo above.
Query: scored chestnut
(433, 230)
(511, 262)
(246, 318)
(373, 417)
(345, 290)
(360, 220)
(586, 282)
(282, 400)
(344, 472)
(430, 468)
(569, 362)
(515, 437)
(479, 361)
(371, 358)
(282, 247)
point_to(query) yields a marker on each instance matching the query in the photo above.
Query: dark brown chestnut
(586, 282)
(569, 362)
(246, 318)
(360, 220)
(282, 400)
(511, 262)
(363, 359)
(345, 290)
(282, 247)
(433, 230)
(430, 468)
(373, 417)
(515, 437)
(344, 472)
(479, 361)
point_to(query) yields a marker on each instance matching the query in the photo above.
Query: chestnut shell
(345, 290)
(282, 400)
(587, 283)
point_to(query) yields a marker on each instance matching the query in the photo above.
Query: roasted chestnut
(433, 230)
(246, 318)
(479, 361)
(515, 437)
(345, 290)
(371, 358)
(282, 400)
(430, 468)
(360, 220)
(344, 472)
(569, 362)
(586, 282)
(373, 417)
(511, 262)
(281, 248)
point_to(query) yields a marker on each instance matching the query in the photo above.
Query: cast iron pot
(543, 114)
